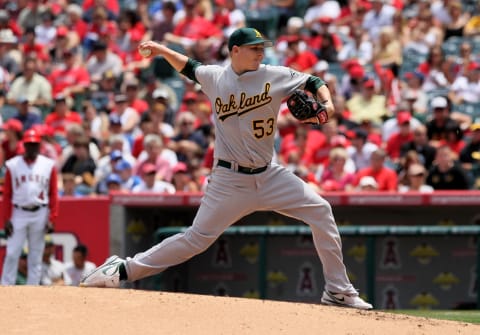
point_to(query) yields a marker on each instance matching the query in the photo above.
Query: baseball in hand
(145, 52)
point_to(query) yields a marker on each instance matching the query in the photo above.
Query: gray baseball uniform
(244, 179)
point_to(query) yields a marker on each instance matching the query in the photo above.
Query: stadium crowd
(404, 76)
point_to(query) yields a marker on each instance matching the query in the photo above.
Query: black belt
(242, 169)
(29, 208)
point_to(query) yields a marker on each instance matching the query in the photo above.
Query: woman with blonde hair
(335, 178)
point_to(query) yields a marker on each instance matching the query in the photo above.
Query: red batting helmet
(31, 136)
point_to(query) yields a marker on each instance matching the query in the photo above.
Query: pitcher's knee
(198, 241)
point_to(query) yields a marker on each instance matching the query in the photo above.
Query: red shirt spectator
(68, 76)
(300, 146)
(385, 177)
(12, 144)
(297, 59)
(398, 139)
(61, 116)
(111, 5)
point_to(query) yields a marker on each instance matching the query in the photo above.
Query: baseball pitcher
(246, 97)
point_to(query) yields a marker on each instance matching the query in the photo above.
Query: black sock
(123, 272)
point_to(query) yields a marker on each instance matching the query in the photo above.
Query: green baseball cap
(247, 36)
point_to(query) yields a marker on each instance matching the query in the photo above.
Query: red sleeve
(53, 196)
(7, 196)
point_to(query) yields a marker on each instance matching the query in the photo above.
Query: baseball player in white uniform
(30, 208)
(246, 96)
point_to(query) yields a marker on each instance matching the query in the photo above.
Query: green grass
(471, 316)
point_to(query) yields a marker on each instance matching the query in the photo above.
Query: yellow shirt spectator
(367, 106)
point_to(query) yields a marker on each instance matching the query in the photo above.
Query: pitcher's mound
(74, 310)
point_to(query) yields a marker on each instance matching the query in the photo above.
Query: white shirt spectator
(390, 127)
(326, 8)
(373, 22)
(54, 272)
(362, 52)
(467, 90)
(361, 159)
(75, 274)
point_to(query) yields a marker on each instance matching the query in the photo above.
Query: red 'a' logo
(221, 255)
(390, 255)
(390, 298)
(307, 283)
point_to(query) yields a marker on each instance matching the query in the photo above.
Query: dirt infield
(73, 310)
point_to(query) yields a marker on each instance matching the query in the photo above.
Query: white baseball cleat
(344, 300)
(106, 275)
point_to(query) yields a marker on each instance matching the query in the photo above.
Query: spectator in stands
(385, 177)
(194, 28)
(466, 87)
(403, 164)
(437, 70)
(12, 144)
(69, 79)
(125, 171)
(379, 16)
(53, 270)
(320, 8)
(470, 154)
(302, 143)
(453, 138)
(151, 184)
(458, 20)
(156, 154)
(32, 85)
(368, 105)
(75, 23)
(361, 149)
(27, 114)
(45, 32)
(163, 21)
(392, 125)
(472, 28)
(9, 59)
(103, 60)
(187, 142)
(75, 131)
(352, 81)
(97, 121)
(62, 116)
(128, 116)
(425, 33)
(358, 47)
(336, 177)
(413, 94)
(116, 129)
(420, 144)
(81, 164)
(131, 90)
(228, 17)
(31, 15)
(68, 186)
(387, 52)
(298, 59)
(367, 184)
(80, 266)
(446, 173)
(183, 179)
(401, 137)
(440, 118)
(416, 180)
